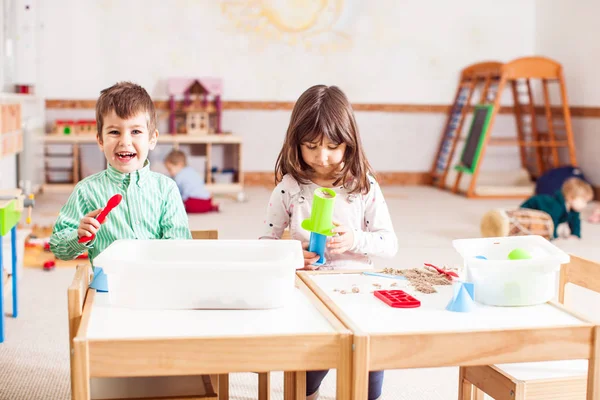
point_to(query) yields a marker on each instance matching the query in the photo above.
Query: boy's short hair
(575, 187)
(126, 99)
(176, 157)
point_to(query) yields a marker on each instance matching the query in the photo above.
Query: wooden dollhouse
(201, 110)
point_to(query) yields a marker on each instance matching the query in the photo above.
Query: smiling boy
(151, 207)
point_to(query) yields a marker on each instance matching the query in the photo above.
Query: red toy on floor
(196, 206)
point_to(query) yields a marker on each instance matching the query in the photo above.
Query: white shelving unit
(202, 144)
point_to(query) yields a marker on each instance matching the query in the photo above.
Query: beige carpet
(34, 361)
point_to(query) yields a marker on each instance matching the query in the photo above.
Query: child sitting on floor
(196, 198)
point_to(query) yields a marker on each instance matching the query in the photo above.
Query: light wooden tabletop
(299, 316)
(371, 315)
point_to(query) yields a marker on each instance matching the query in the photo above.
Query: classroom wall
(8, 165)
(378, 52)
(567, 31)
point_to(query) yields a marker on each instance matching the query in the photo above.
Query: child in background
(542, 214)
(151, 207)
(191, 185)
(566, 204)
(322, 148)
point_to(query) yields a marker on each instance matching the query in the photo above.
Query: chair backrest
(580, 272)
(203, 235)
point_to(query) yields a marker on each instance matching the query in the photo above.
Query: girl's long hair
(324, 111)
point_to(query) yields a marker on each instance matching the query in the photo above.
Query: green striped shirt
(151, 208)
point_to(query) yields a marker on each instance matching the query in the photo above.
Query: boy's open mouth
(125, 156)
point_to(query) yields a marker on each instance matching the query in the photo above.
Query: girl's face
(323, 156)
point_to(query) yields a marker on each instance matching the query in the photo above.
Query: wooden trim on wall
(576, 111)
(266, 179)
(262, 106)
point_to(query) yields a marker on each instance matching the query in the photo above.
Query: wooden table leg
(465, 388)
(264, 386)
(593, 386)
(344, 370)
(81, 371)
(224, 387)
(294, 385)
(360, 371)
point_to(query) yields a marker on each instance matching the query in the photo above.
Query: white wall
(380, 52)
(567, 31)
(18, 64)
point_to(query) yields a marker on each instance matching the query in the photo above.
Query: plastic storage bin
(223, 177)
(200, 274)
(502, 282)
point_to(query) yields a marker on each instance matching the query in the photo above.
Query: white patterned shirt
(367, 215)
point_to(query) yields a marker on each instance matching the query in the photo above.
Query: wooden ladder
(471, 78)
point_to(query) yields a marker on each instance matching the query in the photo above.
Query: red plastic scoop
(449, 274)
(112, 203)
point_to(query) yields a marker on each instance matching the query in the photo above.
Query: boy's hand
(89, 225)
(309, 258)
(343, 242)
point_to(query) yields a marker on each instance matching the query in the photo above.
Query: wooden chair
(203, 235)
(568, 379)
(221, 382)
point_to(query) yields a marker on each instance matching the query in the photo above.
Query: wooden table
(430, 336)
(117, 342)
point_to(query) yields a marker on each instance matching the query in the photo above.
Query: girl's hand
(309, 258)
(343, 242)
(89, 225)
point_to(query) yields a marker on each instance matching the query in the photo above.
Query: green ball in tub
(519, 254)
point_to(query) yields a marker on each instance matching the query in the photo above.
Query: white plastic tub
(200, 274)
(503, 282)
(223, 177)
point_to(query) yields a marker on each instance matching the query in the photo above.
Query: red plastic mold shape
(397, 298)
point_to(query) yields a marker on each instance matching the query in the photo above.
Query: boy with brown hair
(564, 206)
(196, 198)
(151, 207)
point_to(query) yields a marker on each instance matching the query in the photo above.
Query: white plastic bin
(223, 177)
(503, 282)
(200, 274)
(7, 251)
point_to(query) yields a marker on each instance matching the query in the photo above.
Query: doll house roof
(208, 85)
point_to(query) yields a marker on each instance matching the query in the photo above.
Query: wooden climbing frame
(538, 148)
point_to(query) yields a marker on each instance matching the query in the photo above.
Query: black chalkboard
(474, 143)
